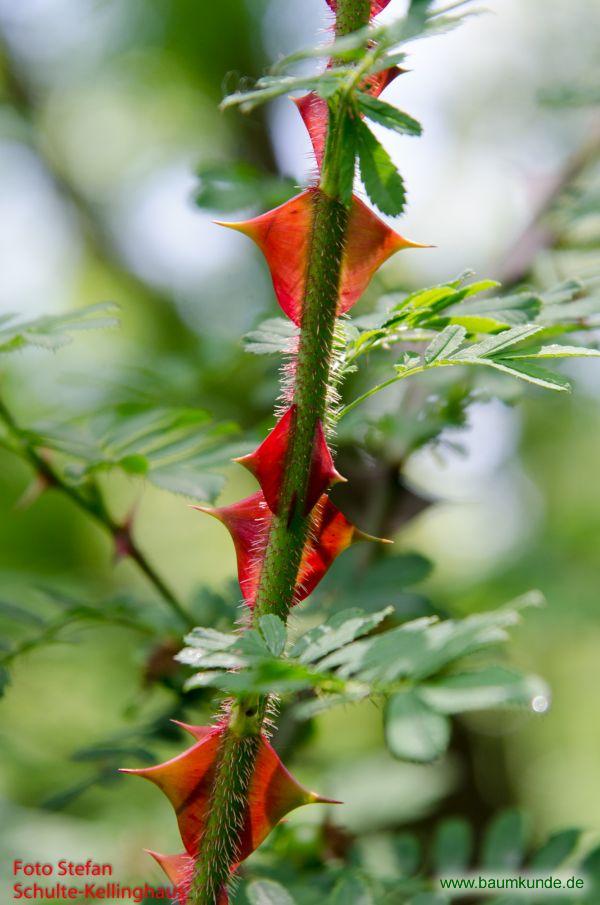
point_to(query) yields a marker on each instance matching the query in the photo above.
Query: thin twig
(95, 507)
(538, 235)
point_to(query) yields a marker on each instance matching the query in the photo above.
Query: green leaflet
(414, 731)
(53, 331)
(382, 182)
(507, 351)
(275, 335)
(352, 656)
(338, 631)
(504, 844)
(177, 449)
(269, 87)
(274, 632)
(555, 850)
(421, 315)
(384, 114)
(452, 846)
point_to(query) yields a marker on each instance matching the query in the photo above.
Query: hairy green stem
(228, 806)
(288, 532)
(289, 529)
(351, 15)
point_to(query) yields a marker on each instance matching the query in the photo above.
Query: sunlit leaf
(177, 449)
(494, 686)
(275, 335)
(338, 631)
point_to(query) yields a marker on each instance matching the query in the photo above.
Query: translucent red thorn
(188, 780)
(268, 463)
(198, 732)
(283, 235)
(248, 522)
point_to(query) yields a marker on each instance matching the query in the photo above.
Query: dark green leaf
(263, 677)
(445, 344)
(509, 310)
(379, 111)
(555, 350)
(251, 644)
(494, 345)
(530, 372)
(504, 843)
(275, 335)
(175, 448)
(341, 629)
(270, 87)
(210, 639)
(237, 186)
(383, 183)
(188, 481)
(421, 648)
(274, 633)
(452, 846)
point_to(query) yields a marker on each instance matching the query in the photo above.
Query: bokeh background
(107, 108)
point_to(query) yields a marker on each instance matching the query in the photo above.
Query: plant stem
(94, 506)
(219, 844)
(289, 529)
(235, 764)
(351, 15)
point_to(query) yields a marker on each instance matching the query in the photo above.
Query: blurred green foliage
(98, 122)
